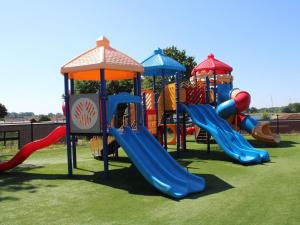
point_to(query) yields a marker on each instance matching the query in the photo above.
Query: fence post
(4, 138)
(277, 123)
(31, 130)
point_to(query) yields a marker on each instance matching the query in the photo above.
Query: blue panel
(232, 142)
(156, 165)
(223, 92)
(159, 63)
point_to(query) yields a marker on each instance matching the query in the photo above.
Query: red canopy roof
(212, 64)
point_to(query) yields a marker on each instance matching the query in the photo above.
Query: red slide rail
(31, 147)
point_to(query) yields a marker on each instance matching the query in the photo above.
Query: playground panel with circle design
(84, 110)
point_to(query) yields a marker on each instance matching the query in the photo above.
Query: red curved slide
(31, 147)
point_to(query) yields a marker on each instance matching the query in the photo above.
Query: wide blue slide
(232, 142)
(155, 164)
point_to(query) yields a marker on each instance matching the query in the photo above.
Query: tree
(116, 86)
(51, 115)
(292, 108)
(3, 111)
(181, 57)
(147, 83)
(253, 110)
(43, 118)
(286, 109)
(85, 87)
(58, 114)
(113, 87)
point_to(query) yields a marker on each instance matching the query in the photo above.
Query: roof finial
(211, 56)
(102, 41)
(158, 51)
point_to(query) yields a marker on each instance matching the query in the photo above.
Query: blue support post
(184, 131)
(135, 91)
(164, 113)
(68, 137)
(215, 89)
(145, 110)
(155, 105)
(207, 102)
(128, 115)
(116, 151)
(73, 136)
(134, 86)
(104, 121)
(139, 93)
(177, 115)
(207, 99)
(139, 84)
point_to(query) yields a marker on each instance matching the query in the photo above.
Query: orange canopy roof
(117, 65)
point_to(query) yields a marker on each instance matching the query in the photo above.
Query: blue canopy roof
(160, 64)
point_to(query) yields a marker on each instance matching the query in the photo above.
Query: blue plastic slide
(232, 142)
(155, 164)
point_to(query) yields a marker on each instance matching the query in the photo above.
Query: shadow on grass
(203, 155)
(128, 179)
(213, 185)
(282, 144)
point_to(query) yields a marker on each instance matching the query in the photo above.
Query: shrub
(265, 116)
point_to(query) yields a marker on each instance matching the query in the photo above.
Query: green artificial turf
(39, 191)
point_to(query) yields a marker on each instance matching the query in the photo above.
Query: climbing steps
(201, 135)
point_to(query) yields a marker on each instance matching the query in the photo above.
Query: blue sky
(259, 39)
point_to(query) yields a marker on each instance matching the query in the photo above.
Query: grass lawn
(39, 192)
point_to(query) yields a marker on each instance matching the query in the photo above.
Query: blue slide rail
(155, 164)
(232, 142)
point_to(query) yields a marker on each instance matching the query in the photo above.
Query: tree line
(290, 108)
(33, 117)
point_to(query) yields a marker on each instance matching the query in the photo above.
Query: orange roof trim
(117, 65)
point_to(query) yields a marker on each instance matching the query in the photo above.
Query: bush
(33, 120)
(44, 118)
(265, 116)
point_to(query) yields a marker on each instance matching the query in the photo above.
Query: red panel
(195, 95)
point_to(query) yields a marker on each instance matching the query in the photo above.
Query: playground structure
(195, 99)
(94, 114)
(231, 102)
